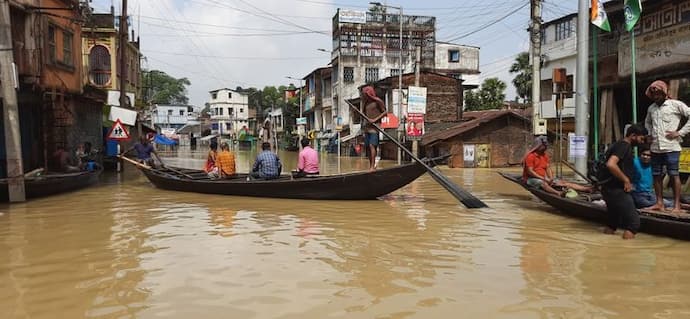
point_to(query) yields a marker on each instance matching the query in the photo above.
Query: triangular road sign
(118, 132)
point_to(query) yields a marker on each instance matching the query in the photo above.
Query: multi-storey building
(171, 116)
(366, 48)
(229, 111)
(55, 110)
(100, 45)
(459, 61)
(559, 50)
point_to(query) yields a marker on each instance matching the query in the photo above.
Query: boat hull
(353, 186)
(657, 223)
(52, 184)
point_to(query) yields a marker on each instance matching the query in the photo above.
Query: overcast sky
(230, 43)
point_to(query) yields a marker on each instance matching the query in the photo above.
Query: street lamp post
(400, 72)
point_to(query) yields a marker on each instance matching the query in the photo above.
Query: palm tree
(523, 79)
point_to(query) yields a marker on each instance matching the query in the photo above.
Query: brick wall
(70, 122)
(508, 137)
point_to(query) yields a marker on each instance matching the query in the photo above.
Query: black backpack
(598, 172)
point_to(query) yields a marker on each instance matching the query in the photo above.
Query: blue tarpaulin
(162, 140)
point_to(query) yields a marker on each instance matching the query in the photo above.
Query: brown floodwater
(124, 249)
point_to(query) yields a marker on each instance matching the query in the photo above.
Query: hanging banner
(468, 155)
(416, 100)
(414, 126)
(578, 146)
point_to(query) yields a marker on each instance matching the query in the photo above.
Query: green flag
(633, 9)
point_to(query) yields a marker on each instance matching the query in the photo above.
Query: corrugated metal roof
(472, 121)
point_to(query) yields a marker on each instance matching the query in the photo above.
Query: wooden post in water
(8, 77)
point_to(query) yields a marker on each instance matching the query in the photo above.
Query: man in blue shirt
(267, 165)
(643, 194)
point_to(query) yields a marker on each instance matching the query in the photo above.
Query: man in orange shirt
(225, 162)
(537, 170)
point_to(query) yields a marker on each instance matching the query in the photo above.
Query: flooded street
(127, 250)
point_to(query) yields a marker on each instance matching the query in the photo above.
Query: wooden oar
(465, 197)
(135, 163)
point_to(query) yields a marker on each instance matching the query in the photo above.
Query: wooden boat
(53, 183)
(652, 222)
(351, 186)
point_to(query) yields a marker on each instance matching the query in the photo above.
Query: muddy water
(127, 250)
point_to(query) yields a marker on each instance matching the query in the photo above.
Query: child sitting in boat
(537, 170)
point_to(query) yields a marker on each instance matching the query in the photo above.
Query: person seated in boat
(145, 152)
(267, 165)
(86, 156)
(643, 181)
(64, 161)
(308, 161)
(537, 170)
(225, 163)
(210, 165)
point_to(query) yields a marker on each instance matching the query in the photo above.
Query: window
(99, 65)
(349, 74)
(170, 112)
(453, 55)
(546, 90)
(395, 72)
(220, 109)
(229, 95)
(241, 111)
(51, 44)
(181, 113)
(371, 75)
(214, 95)
(563, 30)
(67, 58)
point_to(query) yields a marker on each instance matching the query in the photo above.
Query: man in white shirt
(663, 121)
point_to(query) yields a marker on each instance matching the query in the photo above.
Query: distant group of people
(629, 182)
(84, 158)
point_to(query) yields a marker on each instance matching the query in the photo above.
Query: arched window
(99, 64)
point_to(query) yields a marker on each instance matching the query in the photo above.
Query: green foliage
(523, 77)
(162, 88)
(490, 96)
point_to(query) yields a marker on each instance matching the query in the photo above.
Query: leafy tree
(490, 96)
(523, 77)
(165, 89)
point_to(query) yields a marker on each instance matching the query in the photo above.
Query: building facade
(229, 111)
(459, 61)
(171, 116)
(101, 66)
(55, 110)
(366, 48)
(559, 50)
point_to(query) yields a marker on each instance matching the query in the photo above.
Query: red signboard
(390, 121)
(414, 126)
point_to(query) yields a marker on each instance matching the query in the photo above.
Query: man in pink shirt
(308, 162)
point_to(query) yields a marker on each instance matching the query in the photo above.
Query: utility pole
(123, 55)
(582, 75)
(418, 60)
(13, 143)
(535, 46)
